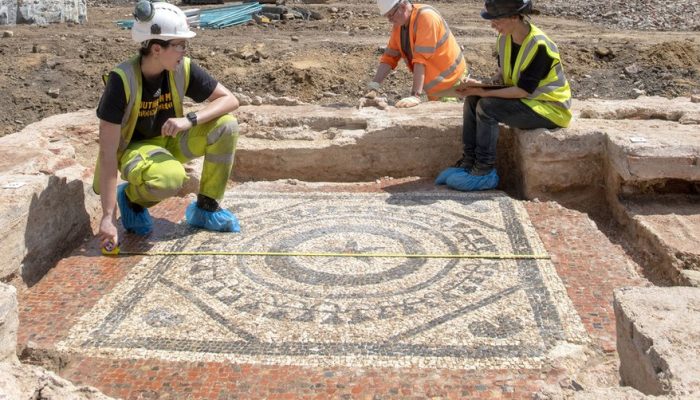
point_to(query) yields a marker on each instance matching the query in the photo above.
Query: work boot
(135, 218)
(467, 182)
(205, 213)
(464, 163)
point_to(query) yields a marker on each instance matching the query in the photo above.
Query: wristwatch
(192, 117)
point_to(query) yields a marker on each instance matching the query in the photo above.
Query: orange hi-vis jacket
(431, 44)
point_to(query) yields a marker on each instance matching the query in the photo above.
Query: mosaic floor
(343, 311)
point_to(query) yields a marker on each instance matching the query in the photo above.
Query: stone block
(669, 151)
(20, 381)
(9, 322)
(328, 144)
(657, 339)
(691, 277)
(38, 222)
(558, 160)
(46, 206)
(8, 12)
(42, 12)
(649, 139)
(667, 231)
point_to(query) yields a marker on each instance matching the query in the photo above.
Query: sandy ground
(57, 69)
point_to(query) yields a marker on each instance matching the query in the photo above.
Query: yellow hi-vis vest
(130, 72)
(552, 98)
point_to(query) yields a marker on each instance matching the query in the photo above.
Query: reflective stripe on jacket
(552, 98)
(433, 45)
(130, 73)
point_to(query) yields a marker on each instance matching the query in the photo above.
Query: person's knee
(486, 108)
(228, 124)
(226, 128)
(166, 179)
(471, 102)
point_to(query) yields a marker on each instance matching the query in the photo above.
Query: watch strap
(192, 117)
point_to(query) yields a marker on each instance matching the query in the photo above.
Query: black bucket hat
(505, 8)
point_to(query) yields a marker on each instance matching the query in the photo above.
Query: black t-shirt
(156, 100)
(538, 69)
(406, 43)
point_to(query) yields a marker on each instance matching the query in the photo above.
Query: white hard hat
(386, 5)
(159, 20)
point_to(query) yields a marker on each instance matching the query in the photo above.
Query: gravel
(658, 15)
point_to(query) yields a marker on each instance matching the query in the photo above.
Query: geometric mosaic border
(451, 313)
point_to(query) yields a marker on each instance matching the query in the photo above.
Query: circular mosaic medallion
(343, 289)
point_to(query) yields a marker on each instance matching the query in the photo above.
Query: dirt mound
(57, 69)
(672, 55)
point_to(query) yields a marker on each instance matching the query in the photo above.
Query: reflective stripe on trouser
(152, 172)
(216, 141)
(154, 168)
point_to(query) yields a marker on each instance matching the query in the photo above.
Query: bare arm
(418, 78)
(109, 143)
(382, 71)
(511, 92)
(221, 101)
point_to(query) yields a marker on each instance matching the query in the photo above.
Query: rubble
(657, 330)
(658, 15)
(20, 381)
(42, 12)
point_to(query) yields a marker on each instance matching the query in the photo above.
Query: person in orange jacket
(422, 38)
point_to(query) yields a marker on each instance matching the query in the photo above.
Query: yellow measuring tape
(117, 251)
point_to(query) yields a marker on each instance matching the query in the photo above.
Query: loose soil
(58, 68)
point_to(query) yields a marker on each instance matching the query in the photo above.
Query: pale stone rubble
(42, 12)
(19, 381)
(35, 186)
(657, 339)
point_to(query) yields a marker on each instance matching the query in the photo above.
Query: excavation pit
(341, 180)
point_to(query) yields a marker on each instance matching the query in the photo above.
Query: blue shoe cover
(220, 221)
(139, 223)
(446, 173)
(466, 182)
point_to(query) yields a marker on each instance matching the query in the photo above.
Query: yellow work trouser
(154, 168)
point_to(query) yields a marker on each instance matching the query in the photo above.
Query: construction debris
(276, 10)
(223, 17)
(214, 18)
(217, 18)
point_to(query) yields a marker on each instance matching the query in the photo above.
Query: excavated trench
(632, 167)
(616, 154)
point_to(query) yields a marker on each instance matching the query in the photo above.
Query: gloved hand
(408, 102)
(372, 98)
(379, 102)
(372, 89)
(372, 85)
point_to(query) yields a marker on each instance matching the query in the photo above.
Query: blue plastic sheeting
(216, 18)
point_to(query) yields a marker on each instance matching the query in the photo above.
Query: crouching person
(145, 135)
